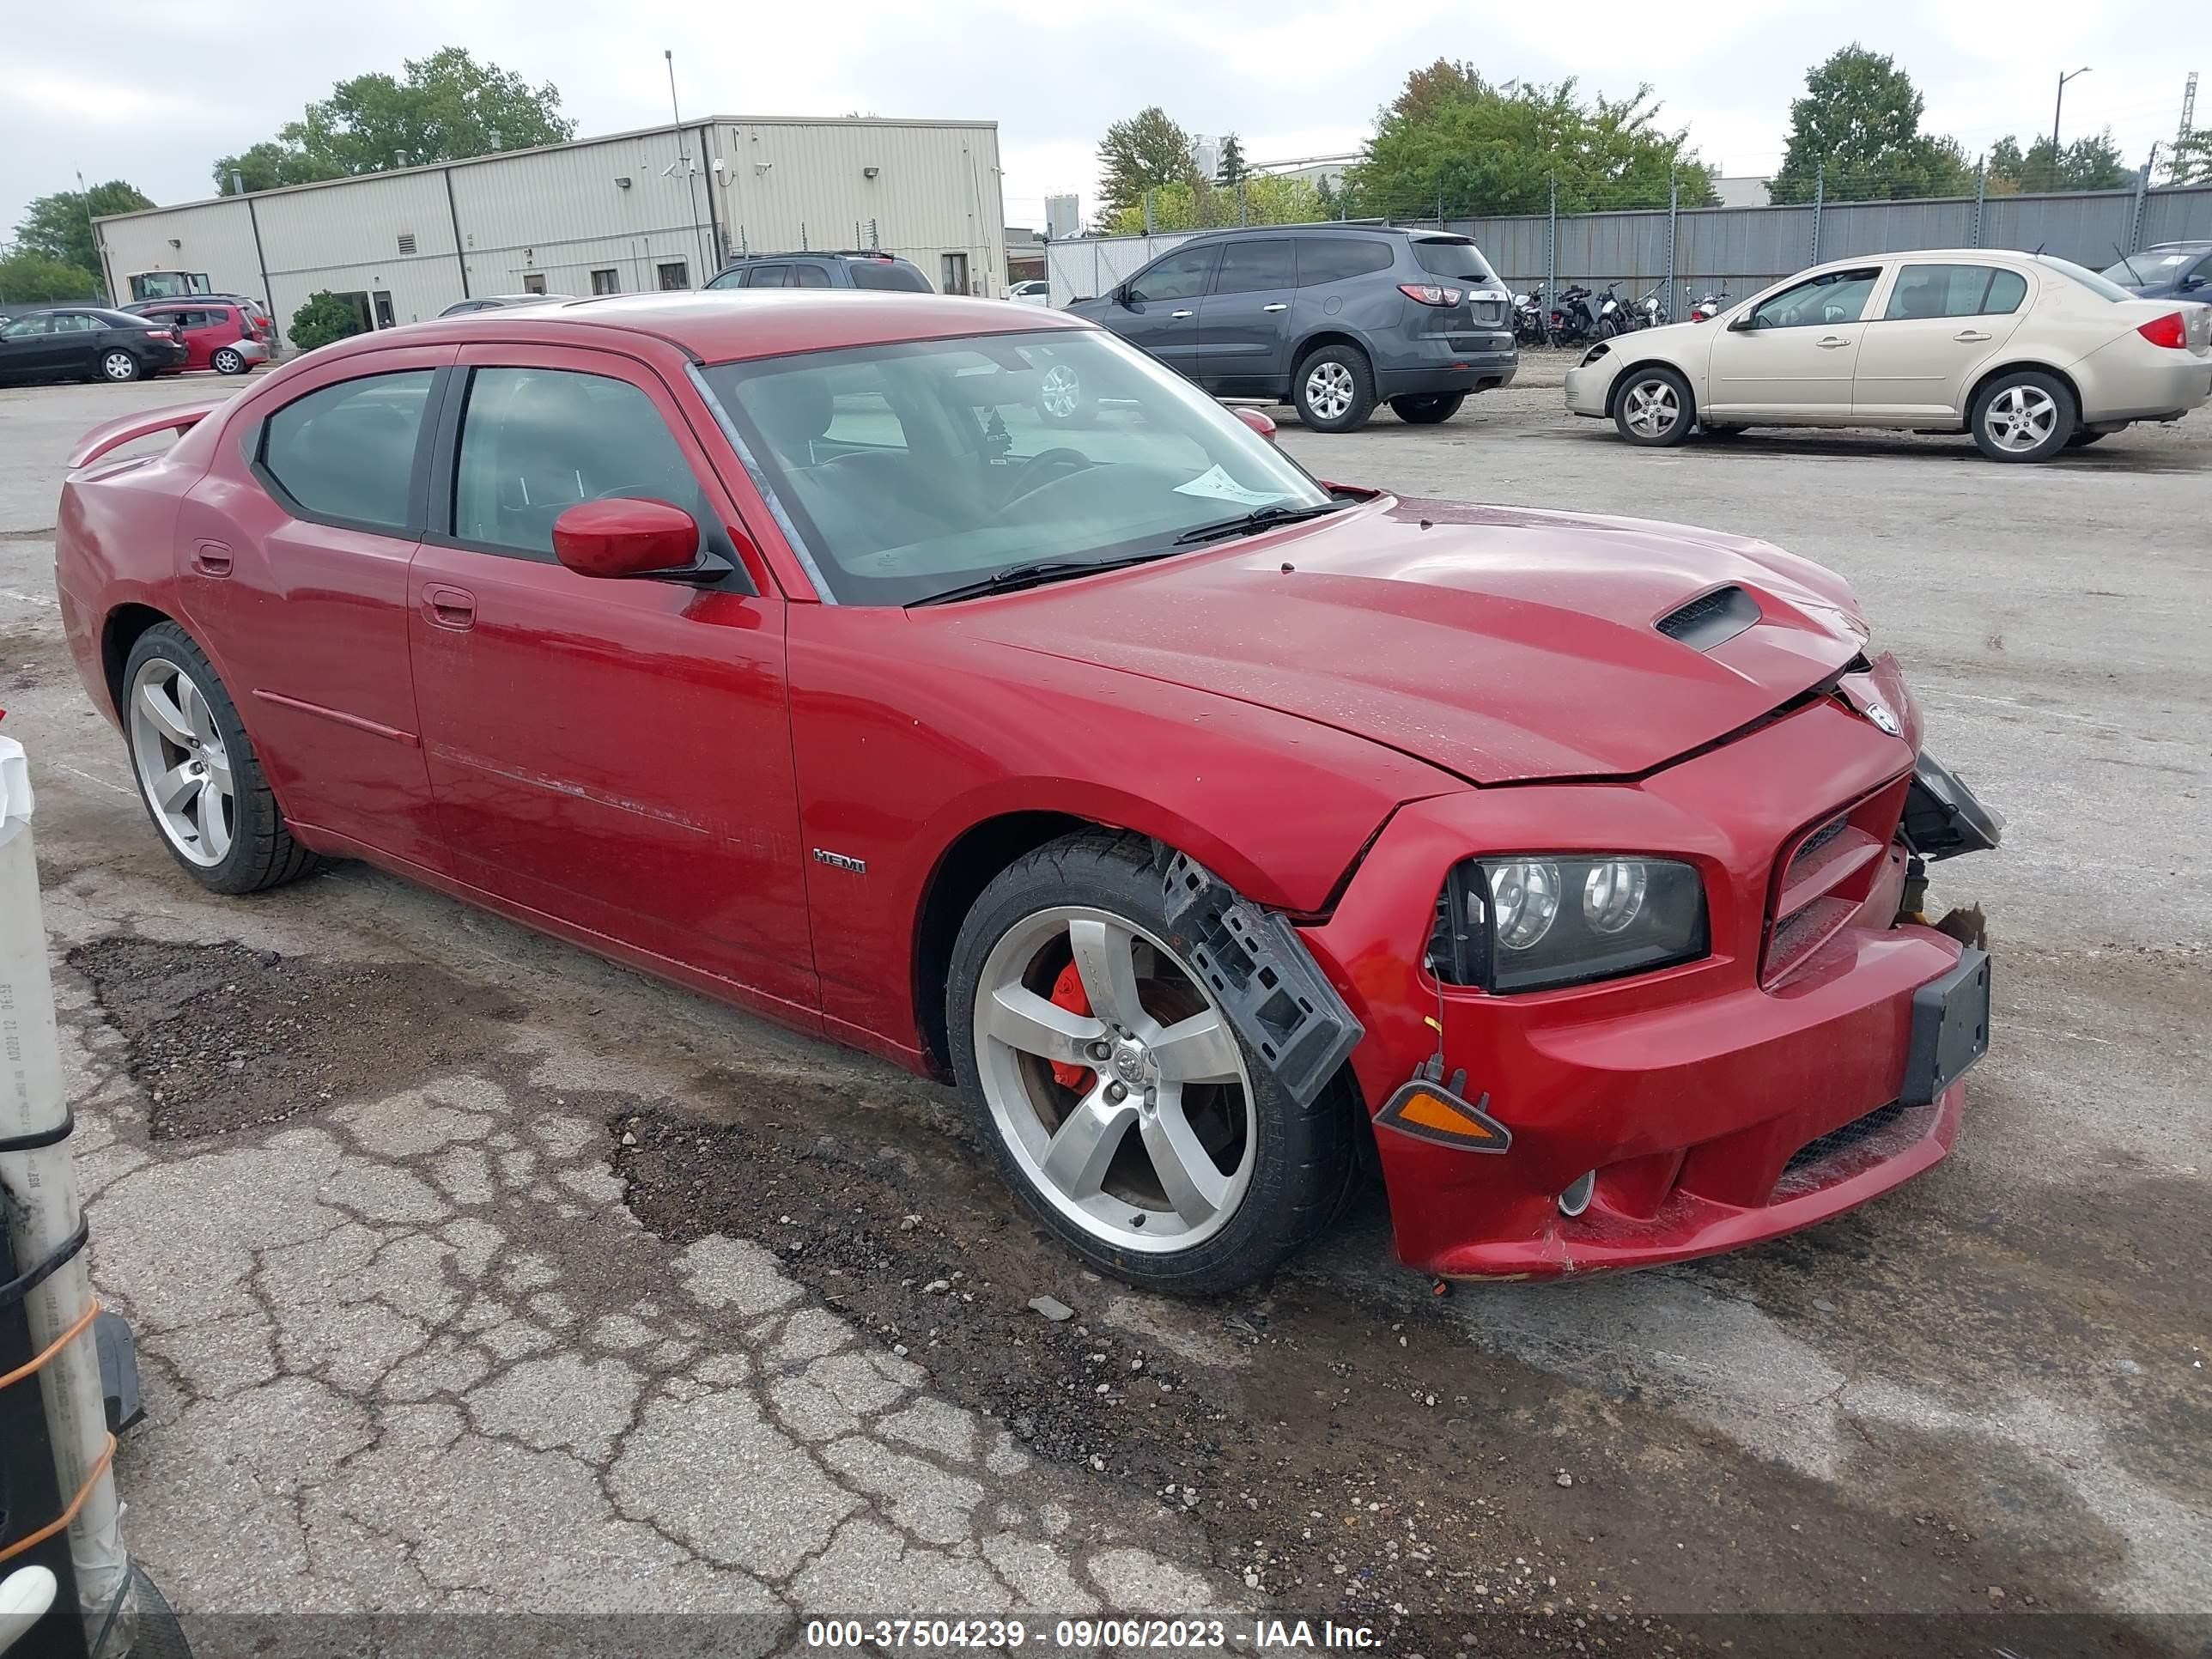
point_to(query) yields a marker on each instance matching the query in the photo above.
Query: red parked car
(1190, 814)
(226, 336)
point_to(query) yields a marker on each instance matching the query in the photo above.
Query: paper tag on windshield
(1216, 485)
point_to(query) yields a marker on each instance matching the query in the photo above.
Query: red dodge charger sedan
(1215, 829)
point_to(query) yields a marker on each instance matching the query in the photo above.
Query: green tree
(31, 278)
(1855, 136)
(1143, 153)
(2085, 164)
(1195, 204)
(1453, 143)
(447, 107)
(59, 226)
(2192, 161)
(1232, 170)
(323, 318)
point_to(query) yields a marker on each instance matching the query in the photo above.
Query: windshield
(910, 468)
(2088, 279)
(2149, 269)
(1447, 256)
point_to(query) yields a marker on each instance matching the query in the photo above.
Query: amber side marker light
(1427, 1110)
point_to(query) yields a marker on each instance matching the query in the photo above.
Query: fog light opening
(1576, 1198)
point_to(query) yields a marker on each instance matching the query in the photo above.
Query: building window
(955, 274)
(533, 283)
(674, 275)
(406, 241)
(605, 282)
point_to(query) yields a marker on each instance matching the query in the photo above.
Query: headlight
(1529, 924)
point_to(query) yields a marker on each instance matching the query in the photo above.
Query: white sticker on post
(1216, 485)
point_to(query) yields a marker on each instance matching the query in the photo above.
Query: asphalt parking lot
(473, 1274)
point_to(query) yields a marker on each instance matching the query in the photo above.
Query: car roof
(820, 254)
(713, 326)
(67, 306)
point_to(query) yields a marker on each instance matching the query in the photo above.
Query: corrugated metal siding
(216, 237)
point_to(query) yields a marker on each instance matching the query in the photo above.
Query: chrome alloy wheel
(182, 768)
(1152, 1149)
(2021, 418)
(1330, 389)
(1061, 393)
(1652, 408)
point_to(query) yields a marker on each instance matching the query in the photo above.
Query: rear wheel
(1654, 409)
(119, 366)
(197, 772)
(1334, 390)
(228, 360)
(1429, 408)
(2023, 415)
(1113, 1092)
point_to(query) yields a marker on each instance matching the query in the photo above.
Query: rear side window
(1450, 256)
(1332, 259)
(809, 277)
(1955, 291)
(1250, 265)
(889, 274)
(348, 450)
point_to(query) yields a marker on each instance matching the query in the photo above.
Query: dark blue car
(2169, 270)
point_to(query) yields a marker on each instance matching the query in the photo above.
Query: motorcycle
(1528, 327)
(1709, 307)
(1612, 317)
(1651, 310)
(1572, 321)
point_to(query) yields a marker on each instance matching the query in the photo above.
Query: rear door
(1932, 331)
(1793, 354)
(1243, 322)
(1159, 309)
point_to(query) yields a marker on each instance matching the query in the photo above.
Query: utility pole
(2055, 109)
(690, 173)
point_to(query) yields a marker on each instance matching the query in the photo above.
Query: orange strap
(60, 1521)
(31, 1367)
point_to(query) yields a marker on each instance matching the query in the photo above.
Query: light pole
(2055, 109)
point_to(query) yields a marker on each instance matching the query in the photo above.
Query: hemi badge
(839, 861)
(1426, 1110)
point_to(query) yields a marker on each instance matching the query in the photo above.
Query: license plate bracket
(1950, 1029)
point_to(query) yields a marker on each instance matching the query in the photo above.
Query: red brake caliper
(1067, 992)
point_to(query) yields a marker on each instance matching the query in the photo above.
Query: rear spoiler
(114, 435)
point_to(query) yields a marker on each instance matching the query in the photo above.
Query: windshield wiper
(1016, 576)
(1259, 519)
(2130, 264)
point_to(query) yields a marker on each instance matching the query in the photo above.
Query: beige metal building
(663, 208)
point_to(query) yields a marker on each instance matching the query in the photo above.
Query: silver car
(2030, 353)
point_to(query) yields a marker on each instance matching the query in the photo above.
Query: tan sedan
(2029, 353)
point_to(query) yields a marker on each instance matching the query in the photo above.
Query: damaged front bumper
(1690, 1110)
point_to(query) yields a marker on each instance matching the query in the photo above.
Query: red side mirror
(1259, 422)
(625, 538)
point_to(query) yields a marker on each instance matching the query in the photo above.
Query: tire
(1062, 400)
(1334, 390)
(1431, 409)
(2022, 415)
(180, 725)
(1653, 408)
(118, 366)
(1292, 1165)
(226, 361)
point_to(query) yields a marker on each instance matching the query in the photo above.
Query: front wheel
(1654, 409)
(1334, 390)
(118, 366)
(1113, 1092)
(198, 773)
(2023, 415)
(1428, 409)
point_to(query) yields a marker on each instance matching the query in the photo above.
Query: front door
(1244, 323)
(1158, 307)
(30, 350)
(1792, 354)
(292, 566)
(613, 755)
(1939, 325)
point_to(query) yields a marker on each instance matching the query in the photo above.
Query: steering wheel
(1039, 470)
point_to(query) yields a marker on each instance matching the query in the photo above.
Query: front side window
(1248, 266)
(24, 328)
(347, 451)
(911, 469)
(1833, 297)
(1181, 275)
(1955, 291)
(536, 442)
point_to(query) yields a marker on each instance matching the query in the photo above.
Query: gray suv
(1330, 318)
(835, 267)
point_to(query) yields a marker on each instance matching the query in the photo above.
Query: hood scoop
(1710, 619)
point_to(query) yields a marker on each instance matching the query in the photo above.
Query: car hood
(1498, 643)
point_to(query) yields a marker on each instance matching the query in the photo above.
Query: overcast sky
(152, 91)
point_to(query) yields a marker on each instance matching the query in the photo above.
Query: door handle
(211, 559)
(454, 608)
(1970, 334)
(1279, 305)
(1832, 343)
(1181, 313)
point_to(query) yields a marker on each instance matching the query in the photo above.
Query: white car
(1035, 292)
(2031, 353)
